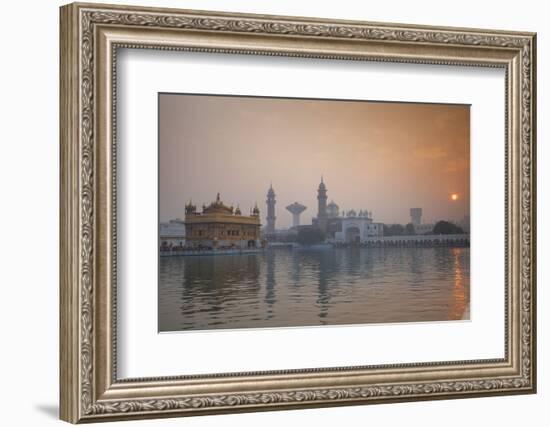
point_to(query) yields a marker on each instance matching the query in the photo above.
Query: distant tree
(394, 230)
(409, 229)
(446, 227)
(397, 230)
(310, 236)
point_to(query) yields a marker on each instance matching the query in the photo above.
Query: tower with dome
(270, 225)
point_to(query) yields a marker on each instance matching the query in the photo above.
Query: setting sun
(454, 196)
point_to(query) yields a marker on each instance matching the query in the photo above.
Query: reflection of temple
(221, 226)
(208, 293)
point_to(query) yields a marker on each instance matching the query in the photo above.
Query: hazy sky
(384, 157)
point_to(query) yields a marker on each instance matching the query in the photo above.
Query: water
(285, 287)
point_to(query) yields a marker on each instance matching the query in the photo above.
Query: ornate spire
(322, 186)
(190, 207)
(270, 192)
(217, 206)
(255, 211)
(270, 202)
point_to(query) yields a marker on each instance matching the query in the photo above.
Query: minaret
(322, 207)
(270, 226)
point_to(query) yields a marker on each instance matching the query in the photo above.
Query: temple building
(172, 235)
(352, 227)
(333, 210)
(221, 226)
(357, 227)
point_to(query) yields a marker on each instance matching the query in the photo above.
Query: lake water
(285, 287)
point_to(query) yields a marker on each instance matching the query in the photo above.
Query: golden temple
(221, 226)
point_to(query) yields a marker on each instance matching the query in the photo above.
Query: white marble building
(357, 227)
(172, 233)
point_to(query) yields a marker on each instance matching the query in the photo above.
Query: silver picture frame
(90, 37)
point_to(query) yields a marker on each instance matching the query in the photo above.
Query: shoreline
(164, 254)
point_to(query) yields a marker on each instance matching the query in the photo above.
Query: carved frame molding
(90, 37)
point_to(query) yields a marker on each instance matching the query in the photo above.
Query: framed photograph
(265, 212)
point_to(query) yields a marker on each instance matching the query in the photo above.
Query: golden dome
(218, 207)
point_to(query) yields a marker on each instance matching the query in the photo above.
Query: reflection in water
(460, 300)
(314, 287)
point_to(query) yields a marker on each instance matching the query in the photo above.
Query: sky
(386, 157)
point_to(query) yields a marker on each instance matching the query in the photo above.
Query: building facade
(333, 210)
(221, 226)
(416, 216)
(172, 234)
(358, 227)
(423, 228)
(416, 221)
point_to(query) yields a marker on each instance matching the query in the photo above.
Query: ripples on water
(283, 287)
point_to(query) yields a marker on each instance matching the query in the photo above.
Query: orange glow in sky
(382, 156)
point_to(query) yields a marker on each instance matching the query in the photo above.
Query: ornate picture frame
(90, 37)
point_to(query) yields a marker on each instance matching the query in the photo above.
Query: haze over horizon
(381, 156)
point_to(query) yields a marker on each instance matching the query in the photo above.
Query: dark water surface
(285, 287)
